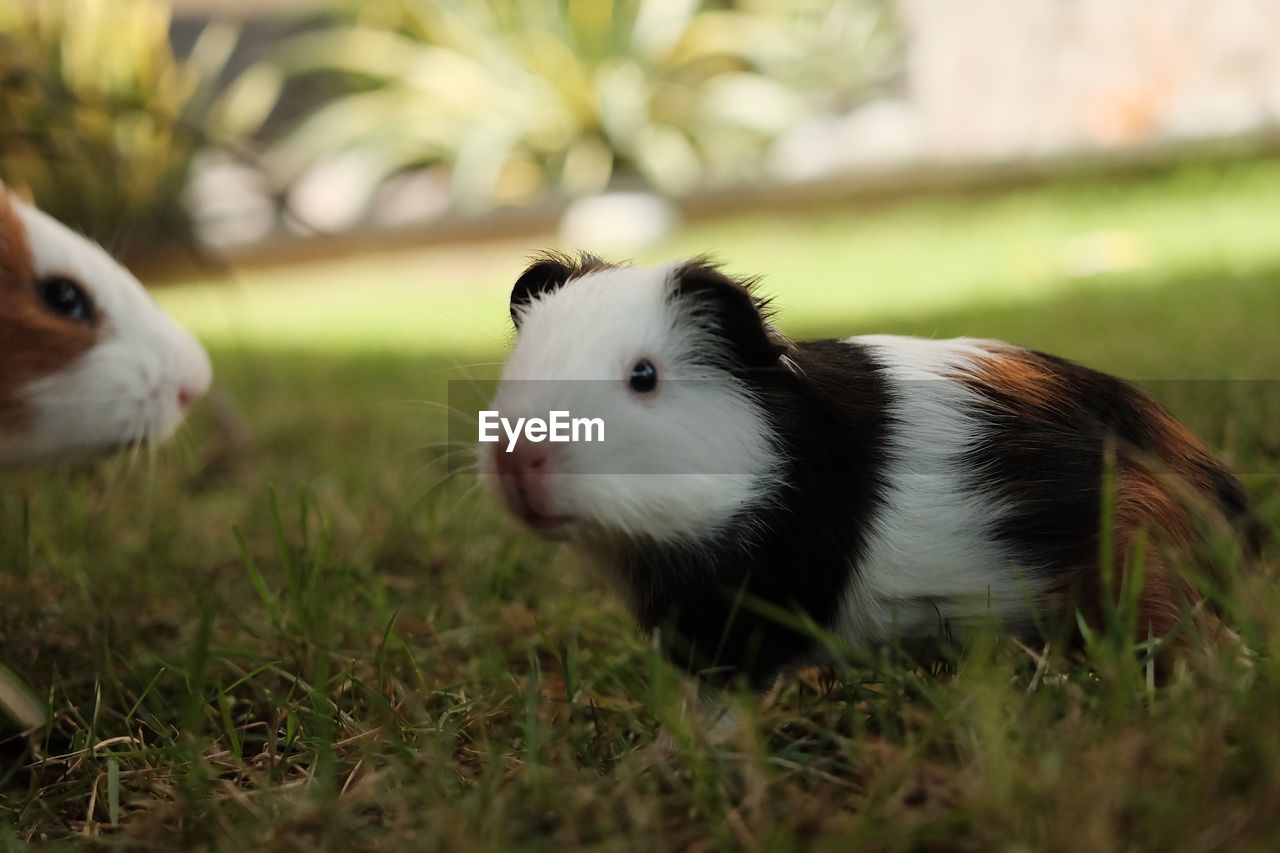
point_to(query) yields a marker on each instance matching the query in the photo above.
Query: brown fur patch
(1175, 442)
(1143, 505)
(1017, 376)
(1028, 381)
(1143, 501)
(1151, 525)
(36, 342)
(1167, 482)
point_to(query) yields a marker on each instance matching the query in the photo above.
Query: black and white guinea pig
(88, 362)
(887, 488)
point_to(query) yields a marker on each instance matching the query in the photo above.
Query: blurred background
(867, 156)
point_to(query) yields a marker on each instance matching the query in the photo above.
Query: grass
(312, 639)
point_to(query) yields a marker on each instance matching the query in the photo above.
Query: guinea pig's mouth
(544, 523)
(523, 506)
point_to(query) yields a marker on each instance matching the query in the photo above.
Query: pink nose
(525, 464)
(187, 398)
(523, 474)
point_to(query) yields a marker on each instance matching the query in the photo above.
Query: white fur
(932, 557)
(675, 464)
(125, 389)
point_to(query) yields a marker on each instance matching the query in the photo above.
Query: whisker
(453, 464)
(184, 445)
(422, 495)
(465, 366)
(475, 385)
(77, 399)
(469, 526)
(456, 461)
(431, 445)
(134, 444)
(437, 405)
(504, 341)
(149, 492)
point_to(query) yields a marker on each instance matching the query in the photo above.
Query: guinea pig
(884, 489)
(88, 362)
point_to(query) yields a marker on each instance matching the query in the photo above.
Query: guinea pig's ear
(544, 275)
(740, 318)
(547, 273)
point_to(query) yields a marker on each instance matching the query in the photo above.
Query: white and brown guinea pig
(887, 488)
(88, 362)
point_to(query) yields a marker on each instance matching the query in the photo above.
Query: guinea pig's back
(934, 553)
(1000, 459)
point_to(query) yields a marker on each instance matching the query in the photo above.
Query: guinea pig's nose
(525, 461)
(523, 473)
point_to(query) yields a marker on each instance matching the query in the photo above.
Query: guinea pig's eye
(644, 377)
(66, 298)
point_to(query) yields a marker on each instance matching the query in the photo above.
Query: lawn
(307, 635)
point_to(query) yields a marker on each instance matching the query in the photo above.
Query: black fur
(549, 272)
(799, 552)
(739, 316)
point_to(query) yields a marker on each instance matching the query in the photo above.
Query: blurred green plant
(99, 121)
(519, 98)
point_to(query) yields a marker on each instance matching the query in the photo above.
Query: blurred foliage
(523, 97)
(99, 122)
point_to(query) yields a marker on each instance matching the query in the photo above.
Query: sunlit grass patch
(853, 268)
